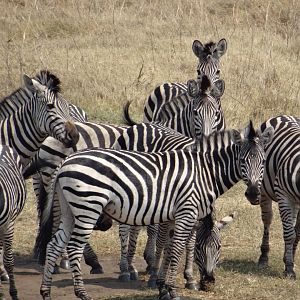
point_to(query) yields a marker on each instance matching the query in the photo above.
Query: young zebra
(12, 200)
(139, 188)
(208, 55)
(281, 183)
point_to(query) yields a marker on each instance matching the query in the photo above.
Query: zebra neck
(10, 104)
(19, 132)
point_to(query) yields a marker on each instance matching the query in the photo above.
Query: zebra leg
(54, 249)
(182, 232)
(91, 259)
(75, 252)
(161, 240)
(287, 214)
(3, 274)
(1, 252)
(297, 231)
(267, 216)
(149, 252)
(8, 261)
(188, 270)
(134, 233)
(124, 231)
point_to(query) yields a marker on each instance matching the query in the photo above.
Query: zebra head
(209, 55)
(251, 159)
(208, 246)
(50, 113)
(207, 112)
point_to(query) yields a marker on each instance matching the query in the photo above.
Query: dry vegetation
(107, 52)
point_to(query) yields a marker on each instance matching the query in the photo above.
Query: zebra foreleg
(297, 231)
(182, 232)
(267, 216)
(188, 270)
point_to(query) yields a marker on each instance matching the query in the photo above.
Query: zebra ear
(221, 47)
(28, 83)
(226, 221)
(218, 89)
(267, 136)
(197, 48)
(193, 88)
(236, 137)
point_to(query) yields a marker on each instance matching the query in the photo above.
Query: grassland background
(108, 52)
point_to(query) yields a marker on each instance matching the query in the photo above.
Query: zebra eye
(50, 105)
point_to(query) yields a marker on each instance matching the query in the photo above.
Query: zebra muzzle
(71, 136)
(252, 193)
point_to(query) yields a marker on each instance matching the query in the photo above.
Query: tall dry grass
(107, 52)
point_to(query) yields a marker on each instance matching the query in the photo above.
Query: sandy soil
(104, 286)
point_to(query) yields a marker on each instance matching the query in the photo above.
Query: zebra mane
(205, 226)
(47, 78)
(19, 97)
(208, 47)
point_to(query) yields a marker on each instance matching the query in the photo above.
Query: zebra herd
(165, 173)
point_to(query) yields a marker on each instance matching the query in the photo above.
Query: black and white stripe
(12, 200)
(208, 56)
(281, 183)
(139, 188)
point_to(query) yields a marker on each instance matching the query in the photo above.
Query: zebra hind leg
(134, 233)
(91, 260)
(8, 261)
(149, 252)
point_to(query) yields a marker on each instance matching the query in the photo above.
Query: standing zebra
(208, 55)
(24, 129)
(139, 188)
(12, 195)
(281, 183)
(194, 113)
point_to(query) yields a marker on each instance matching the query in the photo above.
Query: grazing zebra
(208, 55)
(12, 196)
(139, 188)
(281, 183)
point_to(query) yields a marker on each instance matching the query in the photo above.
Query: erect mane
(208, 47)
(44, 77)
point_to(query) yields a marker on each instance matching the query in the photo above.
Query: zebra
(281, 183)
(195, 113)
(128, 186)
(208, 56)
(12, 195)
(29, 120)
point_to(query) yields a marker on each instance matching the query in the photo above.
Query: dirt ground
(104, 286)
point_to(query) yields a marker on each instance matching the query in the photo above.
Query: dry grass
(107, 52)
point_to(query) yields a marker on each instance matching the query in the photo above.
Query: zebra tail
(46, 231)
(127, 118)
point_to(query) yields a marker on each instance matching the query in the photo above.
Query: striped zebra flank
(281, 183)
(12, 200)
(139, 188)
(208, 56)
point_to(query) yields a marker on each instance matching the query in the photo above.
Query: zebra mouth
(253, 195)
(72, 136)
(207, 283)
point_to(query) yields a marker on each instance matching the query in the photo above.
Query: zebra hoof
(98, 270)
(263, 262)
(134, 275)
(152, 284)
(289, 275)
(65, 264)
(124, 277)
(4, 278)
(164, 295)
(192, 286)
